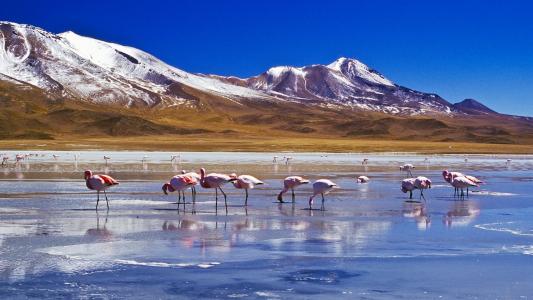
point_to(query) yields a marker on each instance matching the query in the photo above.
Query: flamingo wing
(108, 180)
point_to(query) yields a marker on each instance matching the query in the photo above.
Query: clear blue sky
(457, 49)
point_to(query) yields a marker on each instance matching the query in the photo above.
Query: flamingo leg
(97, 199)
(422, 195)
(293, 196)
(322, 207)
(246, 199)
(225, 199)
(106, 201)
(467, 191)
(216, 200)
(410, 194)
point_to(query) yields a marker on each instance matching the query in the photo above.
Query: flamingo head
(404, 189)
(233, 176)
(183, 171)
(426, 183)
(88, 174)
(167, 187)
(202, 172)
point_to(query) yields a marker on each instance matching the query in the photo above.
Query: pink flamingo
(99, 183)
(449, 176)
(180, 183)
(462, 182)
(215, 181)
(245, 182)
(291, 183)
(407, 168)
(422, 183)
(4, 160)
(321, 187)
(408, 185)
(194, 175)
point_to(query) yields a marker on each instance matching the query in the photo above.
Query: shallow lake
(368, 243)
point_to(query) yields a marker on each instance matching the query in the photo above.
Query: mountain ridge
(61, 77)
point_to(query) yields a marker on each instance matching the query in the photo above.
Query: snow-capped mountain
(348, 82)
(71, 65)
(86, 68)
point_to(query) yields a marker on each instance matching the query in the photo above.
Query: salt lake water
(369, 243)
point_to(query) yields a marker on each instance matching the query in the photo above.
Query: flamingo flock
(189, 180)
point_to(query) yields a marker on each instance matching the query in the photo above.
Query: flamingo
(291, 183)
(407, 168)
(321, 187)
(245, 182)
(364, 162)
(275, 159)
(194, 175)
(180, 183)
(287, 159)
(19, 157)
(363, 179)
(462, 182)
(422, 183)
(449, 176)
(408, 185)
(174, 158)
(106, 158)
(56, 156)
(99, 183)
(215, 181)
(4, 160)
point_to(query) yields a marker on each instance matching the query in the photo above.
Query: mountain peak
(473, 106)
(338, 63)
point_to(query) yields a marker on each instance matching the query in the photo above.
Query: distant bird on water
(290, 183)
(363, 179)
(99, 183)
(407, 168)
(321, 187)
(245, 182)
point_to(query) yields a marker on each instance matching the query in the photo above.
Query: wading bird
(422, 183)
(321, 187)
(99, 183)
(180, 183)
(449, 176)
(215, 181)
(245, 182)
(290, 183)
(195, 175)
(461, 183)
(408, 185)
(407, 168)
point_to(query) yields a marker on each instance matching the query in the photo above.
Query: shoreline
(262, 144)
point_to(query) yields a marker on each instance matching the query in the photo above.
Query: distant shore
(261, 144)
